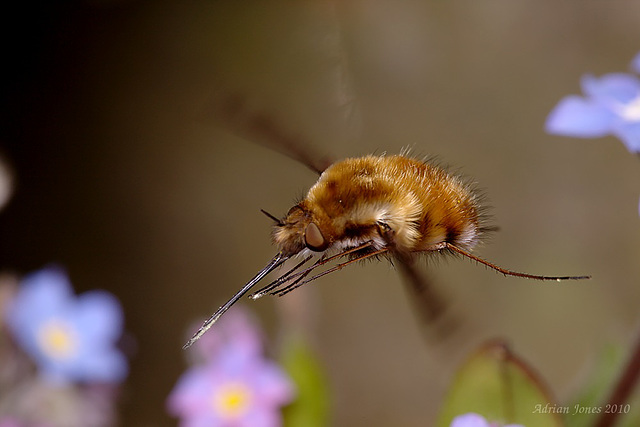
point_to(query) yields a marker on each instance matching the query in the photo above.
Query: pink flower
(235, 386)
(236, 329)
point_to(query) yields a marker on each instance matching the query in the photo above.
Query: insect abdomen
(450, 210)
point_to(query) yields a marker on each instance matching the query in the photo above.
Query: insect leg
(296, 284)
(510, 272)
(320, 262)
(282, 279)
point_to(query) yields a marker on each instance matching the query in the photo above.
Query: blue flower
(611, 105)
(70, 338)
(235, 386)
(474, 420)
(635, 64)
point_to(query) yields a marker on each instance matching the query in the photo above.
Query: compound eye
(314, 238)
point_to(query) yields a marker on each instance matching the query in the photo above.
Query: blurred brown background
(123, 178)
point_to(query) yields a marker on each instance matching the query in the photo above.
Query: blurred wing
(232, 113)
(295, 75)
(430, 304)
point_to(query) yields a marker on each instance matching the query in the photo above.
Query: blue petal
(635, 64)
(616, 87)
(579, 117)
(54, 372)
(108, 365)
(42, 295)
(45, 291)
(629, 134)
(99, 316)
(98, 320)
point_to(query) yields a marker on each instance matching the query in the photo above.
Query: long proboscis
(273, 264)
(507, 272)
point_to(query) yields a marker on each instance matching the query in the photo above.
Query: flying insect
(376, 206)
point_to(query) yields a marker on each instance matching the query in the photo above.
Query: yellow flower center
(57, 339)
(232, 400)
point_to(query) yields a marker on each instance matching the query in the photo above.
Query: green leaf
(498, 385)
(598, 384)
(311, 407)
(591, 400)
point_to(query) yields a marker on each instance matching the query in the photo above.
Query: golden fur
(394, 201)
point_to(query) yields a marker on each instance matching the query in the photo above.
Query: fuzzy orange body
(396, 202)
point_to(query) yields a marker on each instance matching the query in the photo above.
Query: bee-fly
(370, 207)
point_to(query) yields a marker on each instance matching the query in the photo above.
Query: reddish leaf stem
(622, 390)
